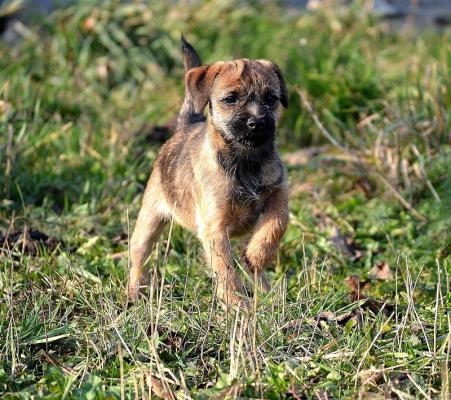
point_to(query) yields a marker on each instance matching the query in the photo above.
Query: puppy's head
(243, 97)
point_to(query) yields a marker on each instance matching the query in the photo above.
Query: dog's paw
(132, 294)
(235, 304)
(135, 290)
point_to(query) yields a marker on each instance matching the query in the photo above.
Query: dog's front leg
(265, 239)
(218, 254)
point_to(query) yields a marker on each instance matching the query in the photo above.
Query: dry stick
(135, 386)
(167, 390)
(123, 341)
(9, 160)
(367, 351)
(11, 325)
(362, 165)
(398, 195)
(318, 123)
(128, 259)
(163, 274)
(209, 323)
(159, 386)
(121, 370)
(418, 387)
(143, 387)
(232, 345)
(445, 373)
(51, 360)
(254, 332)
(423, 171)
(415, 313)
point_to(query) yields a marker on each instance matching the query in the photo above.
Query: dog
(220, 174)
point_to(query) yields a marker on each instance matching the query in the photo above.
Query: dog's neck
(244, 165)
(235, 158)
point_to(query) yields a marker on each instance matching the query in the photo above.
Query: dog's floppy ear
(283, 86)
(199, 83)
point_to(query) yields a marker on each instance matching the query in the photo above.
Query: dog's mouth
(252, 138)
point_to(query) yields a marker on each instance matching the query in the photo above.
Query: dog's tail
(190, 60)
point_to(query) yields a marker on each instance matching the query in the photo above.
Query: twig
(399, 196)
(418, 387)
(423, 171)
(317, 121)
(51, 360)
(158, 388)
(121, 370)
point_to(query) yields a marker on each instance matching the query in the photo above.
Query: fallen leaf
(295, 392)
(302, 157)
(5, 109)
(47, 357)
(338, 355)
(321, 394)
(346, 245)
(365, 187)
(119, 256)
(342, 319)
(370, 376)
(167, 337)
(381, 271)
(230, 392)
(30, 241)
(162, 391)
(122, 238)
(356, 314)
(375, 306)
(355, 286)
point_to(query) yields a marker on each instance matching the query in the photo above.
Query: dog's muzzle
(256, 123)
(253, 131)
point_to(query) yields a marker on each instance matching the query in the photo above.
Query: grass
(369, 108)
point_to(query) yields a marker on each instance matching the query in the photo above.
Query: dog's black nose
(255, 123)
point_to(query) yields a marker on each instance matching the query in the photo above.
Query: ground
(360, 305)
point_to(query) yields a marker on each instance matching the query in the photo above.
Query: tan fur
(191, 186)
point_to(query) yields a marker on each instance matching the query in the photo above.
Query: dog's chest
(246, 204)
(249, 184)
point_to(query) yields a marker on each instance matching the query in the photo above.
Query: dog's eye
(230, 99)
(271, 99)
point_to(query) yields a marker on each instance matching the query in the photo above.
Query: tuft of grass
(81, 101)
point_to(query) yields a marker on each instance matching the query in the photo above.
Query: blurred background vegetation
(119, 65)
(89, 93)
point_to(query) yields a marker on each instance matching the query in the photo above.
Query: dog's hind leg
(149, 225)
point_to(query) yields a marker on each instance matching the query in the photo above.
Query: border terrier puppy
(220, 175)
